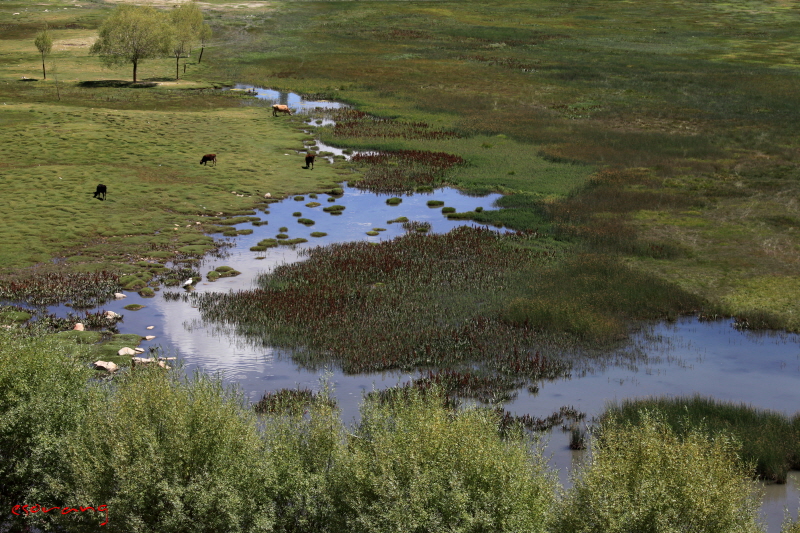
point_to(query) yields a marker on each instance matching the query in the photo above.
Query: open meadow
(646, 153)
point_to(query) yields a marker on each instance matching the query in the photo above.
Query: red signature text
(33, 509)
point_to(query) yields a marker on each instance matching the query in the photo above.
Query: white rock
(138, 350)
(111, 314)
(78, 327)
(167, 358)
(144, 360)
(106, 365)
(150, 337)
(268, 195)
(150, 327)
(119, 295)
(126, 351)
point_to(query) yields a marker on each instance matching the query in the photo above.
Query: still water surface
(682, 358)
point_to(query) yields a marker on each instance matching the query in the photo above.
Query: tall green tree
(205, 35)
(44, 43)
(187, 25)
(132, 34)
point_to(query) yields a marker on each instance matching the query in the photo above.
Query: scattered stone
(119, 295)
(150, 327)
(112, 315)
(106, 365)
(167, 358)
(150, 337)
(126, 351)
(138, 350)
(143, 360)
(78, 327)
(268, 195)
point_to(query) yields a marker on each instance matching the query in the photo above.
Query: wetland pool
(681, 358)
(675, 359)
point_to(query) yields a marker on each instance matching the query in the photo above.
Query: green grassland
(698, 97)
(692, 104)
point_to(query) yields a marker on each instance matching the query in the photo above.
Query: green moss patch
(134, 307)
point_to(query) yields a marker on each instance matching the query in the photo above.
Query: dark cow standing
(310, 160)
(209, 157)
(101, 190)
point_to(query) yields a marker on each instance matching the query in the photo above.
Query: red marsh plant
(403, 170)
(398, 304)
(81, 289)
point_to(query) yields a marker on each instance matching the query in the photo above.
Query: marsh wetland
(582, 215)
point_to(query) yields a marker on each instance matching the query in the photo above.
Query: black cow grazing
(310, 160)
(101, 189)
(209, 157)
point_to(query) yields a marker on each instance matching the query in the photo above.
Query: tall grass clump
(649, 479)
(169, 454)
(769, 440)
(414, 465)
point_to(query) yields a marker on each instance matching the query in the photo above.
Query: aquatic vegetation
(291, 401)
(448, 210)
(403, 171)
(415, 225)
(372, 233)
(768, 439)
(297, 214)
(435, 203)
(397, 220)
(378, 229)
(299, 198)
(376, 306)
(283, 229)
(313, 204)
(289, 242)
(333, 208)
(394, 201)
(306, 221)
(318, 234)
(81, 289)
(281, 236)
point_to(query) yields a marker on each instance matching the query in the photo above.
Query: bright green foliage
(416, 466)
(304, 444)
(769, 439)
(44, 43)
(42, 395)
(187, 30)
(169, 455)
(647, 479)
(132, 34)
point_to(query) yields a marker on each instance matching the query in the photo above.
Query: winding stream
(682, 358)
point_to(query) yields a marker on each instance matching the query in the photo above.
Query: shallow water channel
(683, 358)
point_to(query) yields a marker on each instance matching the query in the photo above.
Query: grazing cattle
(101, 190)
(209, 158)
(279, 108)
(310, 160)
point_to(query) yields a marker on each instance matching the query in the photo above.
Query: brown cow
(310, 160)
(209, 157)
(280, 108)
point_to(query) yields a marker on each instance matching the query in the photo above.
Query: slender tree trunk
(44, 73)
(177, 66)
(134, 72)
(201, 54)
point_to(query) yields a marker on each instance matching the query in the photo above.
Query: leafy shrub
(645, 478)
(169, 454)
(415, 466)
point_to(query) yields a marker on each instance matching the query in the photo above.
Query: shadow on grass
(118, 84)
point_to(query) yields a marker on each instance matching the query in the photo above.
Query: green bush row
(168, 453)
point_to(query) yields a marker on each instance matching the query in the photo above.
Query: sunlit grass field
(696, 100)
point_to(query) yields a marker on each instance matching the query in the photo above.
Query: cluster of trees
(135, 33)
(162, 452)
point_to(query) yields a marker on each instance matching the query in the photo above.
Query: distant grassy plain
(691, 105)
